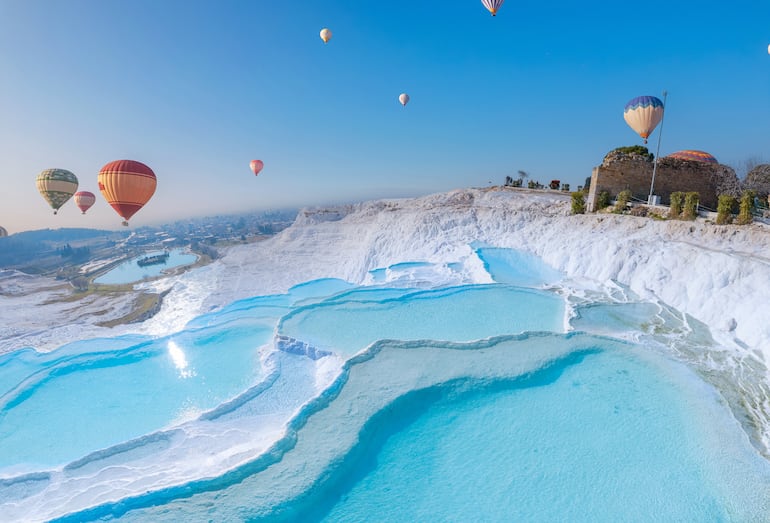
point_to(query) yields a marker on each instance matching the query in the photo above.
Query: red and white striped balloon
(84, 200)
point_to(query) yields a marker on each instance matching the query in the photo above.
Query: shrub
(635, 149)
(531, 184)
(603, 200)
(639, 210)
(725, 209)
(675, 207)
(691, 200)
(622, 200)
(746, 207)
(578, 202)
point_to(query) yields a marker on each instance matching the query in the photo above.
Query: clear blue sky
(198, 88)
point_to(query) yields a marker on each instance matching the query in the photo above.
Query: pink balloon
(84, 200)
(256, 166)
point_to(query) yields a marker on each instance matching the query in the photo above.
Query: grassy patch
(144, 304)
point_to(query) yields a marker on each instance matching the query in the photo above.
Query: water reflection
(180, 360)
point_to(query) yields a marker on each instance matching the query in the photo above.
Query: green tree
(691, 200)
(603, 200)
(745, 216)
(622, 201)
(578, 202)
(725, 209)
(675, 207)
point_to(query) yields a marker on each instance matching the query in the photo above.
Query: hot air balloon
(492, 5)
(256, 166)
(57, 186)
(403, 98)
(84, 200)
(126, 185)
(693, 155)
(643, 114)
(3, 232)
(326, 35)
(768, 49)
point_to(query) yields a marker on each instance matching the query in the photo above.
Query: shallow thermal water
(381, 403)
(130, 272)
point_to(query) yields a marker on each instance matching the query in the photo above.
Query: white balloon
(403, 98)
(492, 5)
(325, 35)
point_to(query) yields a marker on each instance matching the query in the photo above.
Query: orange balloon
(126, 185)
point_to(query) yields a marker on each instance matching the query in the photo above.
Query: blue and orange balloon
(643, 114)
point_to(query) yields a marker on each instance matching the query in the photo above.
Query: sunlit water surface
(382, 403)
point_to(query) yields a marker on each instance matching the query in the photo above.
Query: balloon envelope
(56, 186)
(403, 98)
(126, 185)
(492, 5)
(643, 114)
(693, 155)
(256, 166)
(84, 200)
(326, 35)
(3, 232)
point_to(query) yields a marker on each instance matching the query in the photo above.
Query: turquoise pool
(335, 402)
(130, 272)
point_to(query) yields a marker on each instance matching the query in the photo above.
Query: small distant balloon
(84, 200)
(3, 232)
(492, 5)
(768, 49)
(403, 98)
(325, 35)
(256, 166)
(56, 186)
(643, 114)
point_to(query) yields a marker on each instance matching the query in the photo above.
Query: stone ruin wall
(623, 171)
